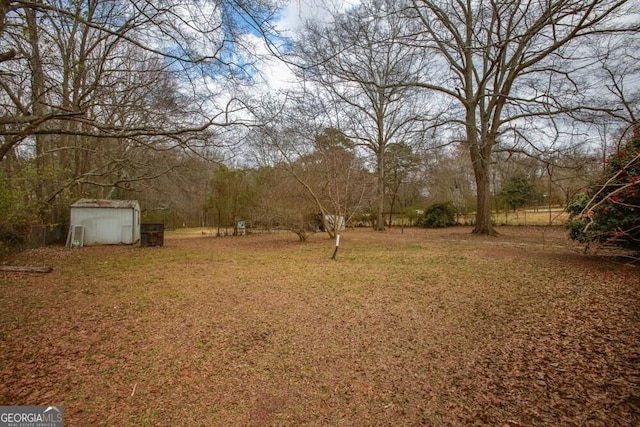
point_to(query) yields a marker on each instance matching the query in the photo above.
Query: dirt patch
(421, 327)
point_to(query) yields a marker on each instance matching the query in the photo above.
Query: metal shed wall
(104, 225)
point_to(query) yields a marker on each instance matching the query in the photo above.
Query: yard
(420, 328)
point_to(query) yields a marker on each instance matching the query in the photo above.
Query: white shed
(107, 221)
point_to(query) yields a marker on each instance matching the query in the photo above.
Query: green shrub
(439, 215)
(609, 212)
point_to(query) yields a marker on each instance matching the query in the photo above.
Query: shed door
(109, 230)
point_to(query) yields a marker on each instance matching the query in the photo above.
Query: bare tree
(196, 41)
(363, 67)
(402, 166)
(509, 65)
(322, 161)
(570, 173)
(340, 176)
(449, 178)
(88, 88)
(280, 202)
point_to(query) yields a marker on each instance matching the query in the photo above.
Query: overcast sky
(295, 13)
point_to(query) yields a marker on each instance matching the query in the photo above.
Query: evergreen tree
(518, 191)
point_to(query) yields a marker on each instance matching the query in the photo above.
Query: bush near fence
(34, 237)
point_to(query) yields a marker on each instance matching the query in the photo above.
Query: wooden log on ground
(25, 269)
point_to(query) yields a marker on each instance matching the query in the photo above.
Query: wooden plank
(25, 269)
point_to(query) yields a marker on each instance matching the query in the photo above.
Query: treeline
(393, 106)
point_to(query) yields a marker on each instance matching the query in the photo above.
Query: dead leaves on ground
(425, 327)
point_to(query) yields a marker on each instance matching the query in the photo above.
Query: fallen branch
(26, 269)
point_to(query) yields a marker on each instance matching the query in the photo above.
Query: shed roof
(103, 203)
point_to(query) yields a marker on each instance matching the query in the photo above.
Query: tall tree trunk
(483, 202)
(480, 156)
(480, 150)
(39, 108)
(479, 147)
(380, 192)
(391, 206)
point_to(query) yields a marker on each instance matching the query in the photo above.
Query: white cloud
(296, 12)
(275, 73)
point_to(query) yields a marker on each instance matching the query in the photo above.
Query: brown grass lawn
(421, 328)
